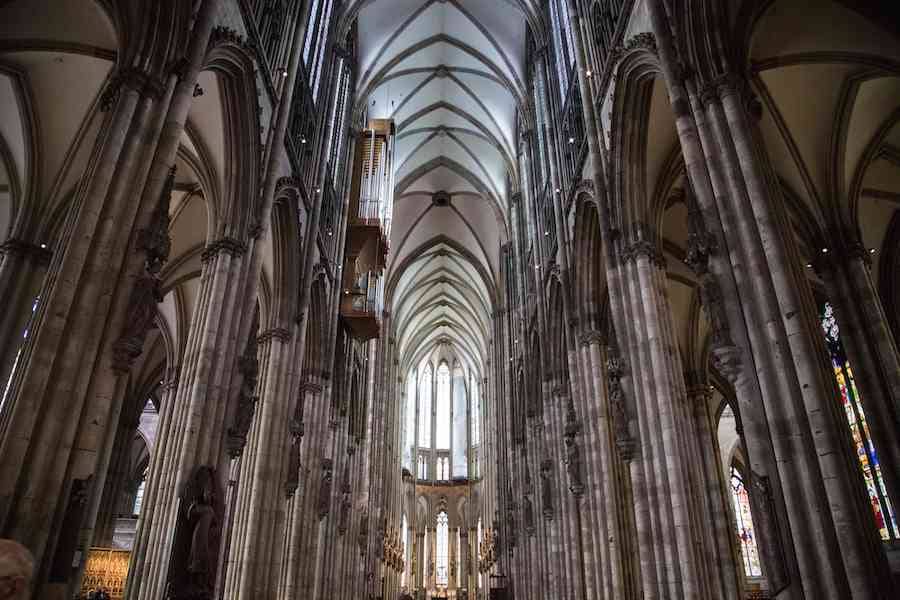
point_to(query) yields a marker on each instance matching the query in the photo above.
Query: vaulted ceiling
(450, 73)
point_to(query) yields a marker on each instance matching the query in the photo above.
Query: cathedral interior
(471, 299)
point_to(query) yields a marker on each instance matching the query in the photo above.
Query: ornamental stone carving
(323, 505)
(615, 369)
(248, 367)
(573, 466)
(546, 489)
(528, 516)
(155, 243)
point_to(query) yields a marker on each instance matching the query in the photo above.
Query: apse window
(442, 549)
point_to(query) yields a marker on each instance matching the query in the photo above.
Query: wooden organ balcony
(368, 229)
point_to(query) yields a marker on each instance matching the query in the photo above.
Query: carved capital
(229, 245)
(309, 387)
(275, 333)
(642, 41)
(132, 78)
(726, 359)
(26, 250)
(591, 336)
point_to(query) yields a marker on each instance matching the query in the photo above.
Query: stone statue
(573, 466)
(528, 516)
(546, 489)
(324, 502)
(201, 520)
(248, 367)
(362, 537)
(145, 295)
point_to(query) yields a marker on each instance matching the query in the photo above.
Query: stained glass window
(442, 409)
(563, 44)
(744, 521)
(859, 429)
(425, 408)
(442, 550)
(443, 468)
(409, 433)
(422, 471)
(476, 413)
(25, 333)
(139, 497)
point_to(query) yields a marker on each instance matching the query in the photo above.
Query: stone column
(262, 488)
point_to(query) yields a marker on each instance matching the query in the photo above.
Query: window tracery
(442, 546)
(744, 522)
(859, 430)
(425, 408)
(442, 409)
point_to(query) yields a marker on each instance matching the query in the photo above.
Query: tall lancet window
(409, 428)
(442, 409)
(425, 408)
(563, 44)
(460, 424)
(476, 413)
(404, 539)
(745, 531)
(442, 550)
(859, 429)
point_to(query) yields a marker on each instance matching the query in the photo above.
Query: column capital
(231, 246)
(22, 249)
(275, 333)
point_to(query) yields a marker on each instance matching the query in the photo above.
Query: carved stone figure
(546, 489)
(200, 519)
(154, 240)
(618, 414)
(344, 518)
(573, 466)
(528, 516)
(145, 295)
(248, 367)
(324, 501)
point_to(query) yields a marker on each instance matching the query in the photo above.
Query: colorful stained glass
(746, 533)
(859, 429)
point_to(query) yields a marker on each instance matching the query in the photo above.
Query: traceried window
(746, 533)
(422, 471)
(316, 39)
(563, 44)
(409, 433)
(443, 468)
(25, 333)
(404, 539)
(442, 409)
(442, 542)
(424, 570)
(139, 496)
(425, 408)
(859, 429)
(460, 424)
(476, 414)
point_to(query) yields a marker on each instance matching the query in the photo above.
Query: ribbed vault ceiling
(449, 72)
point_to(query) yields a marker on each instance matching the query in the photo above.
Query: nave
(488, 299)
